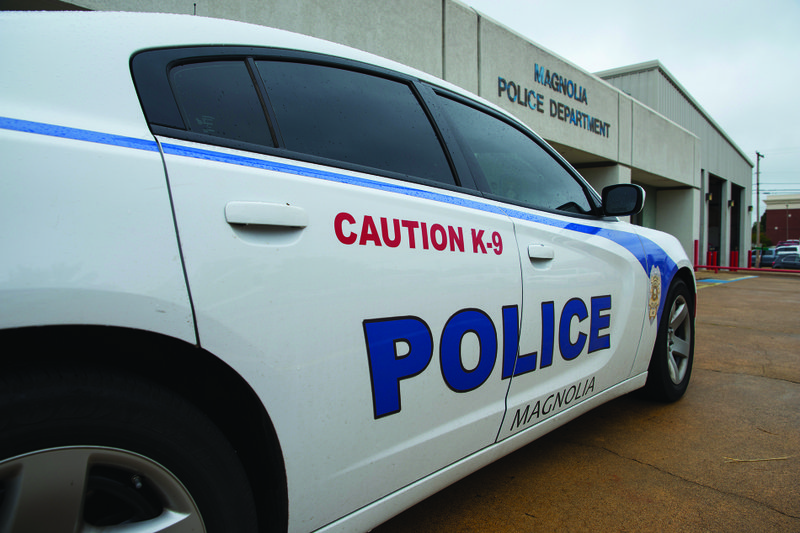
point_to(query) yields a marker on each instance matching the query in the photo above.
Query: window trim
(150, 70)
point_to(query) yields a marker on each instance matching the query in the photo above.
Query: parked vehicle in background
(767, 258)
(787, 249)
(788, 261)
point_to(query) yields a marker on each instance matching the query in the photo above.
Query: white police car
(254, 281)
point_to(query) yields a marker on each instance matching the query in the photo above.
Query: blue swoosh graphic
(647, 252)
(77, 134)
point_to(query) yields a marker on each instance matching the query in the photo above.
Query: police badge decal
(655, 292)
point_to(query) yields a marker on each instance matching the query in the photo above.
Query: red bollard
(734, 261)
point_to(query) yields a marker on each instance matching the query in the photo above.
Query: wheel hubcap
(679, 336)
(88, 489)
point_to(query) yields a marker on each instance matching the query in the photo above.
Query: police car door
(584, 288)
(370, 306)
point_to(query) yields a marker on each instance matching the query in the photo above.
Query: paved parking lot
(724, 458)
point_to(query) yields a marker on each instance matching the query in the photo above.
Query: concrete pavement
(724, 458)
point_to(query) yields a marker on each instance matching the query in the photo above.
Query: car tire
(83, 448)
(673, 354)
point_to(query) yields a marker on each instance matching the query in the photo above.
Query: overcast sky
(740, 60)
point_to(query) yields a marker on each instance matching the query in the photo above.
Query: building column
(725, 226)
(678, 213)
(603, 176)
(702, 206)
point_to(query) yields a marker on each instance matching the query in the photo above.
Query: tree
(765, 241)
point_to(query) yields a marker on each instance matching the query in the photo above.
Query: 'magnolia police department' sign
(515, 92)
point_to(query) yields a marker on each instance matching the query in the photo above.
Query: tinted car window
(218, 98)
(514, 166)
(355, 118)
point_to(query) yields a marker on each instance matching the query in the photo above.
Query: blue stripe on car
(647, 252)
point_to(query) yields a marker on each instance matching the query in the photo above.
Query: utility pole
(758, 209)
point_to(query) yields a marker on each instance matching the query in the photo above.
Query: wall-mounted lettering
(529, 98)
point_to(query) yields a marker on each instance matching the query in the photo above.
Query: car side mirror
(622, 200)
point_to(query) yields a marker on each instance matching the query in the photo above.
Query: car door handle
(540, 252)
(266, 214)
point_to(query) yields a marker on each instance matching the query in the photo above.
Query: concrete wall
(601, 177)
(625, 148)
(503, 54)
(461, 65)
(662, 148)
(677, 212)
(407, 31)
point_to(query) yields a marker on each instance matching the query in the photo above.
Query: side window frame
(150, 71)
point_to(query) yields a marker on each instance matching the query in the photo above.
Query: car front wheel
(673, 354)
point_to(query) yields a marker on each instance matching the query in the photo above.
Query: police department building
(633, 124)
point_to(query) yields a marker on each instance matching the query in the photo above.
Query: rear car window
(219, 98)
(353, 117)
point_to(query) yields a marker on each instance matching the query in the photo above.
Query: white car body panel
(75, 200)
(314, 348)
(114, 226)
(665, 252)
(367, 517)
(606, 338)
